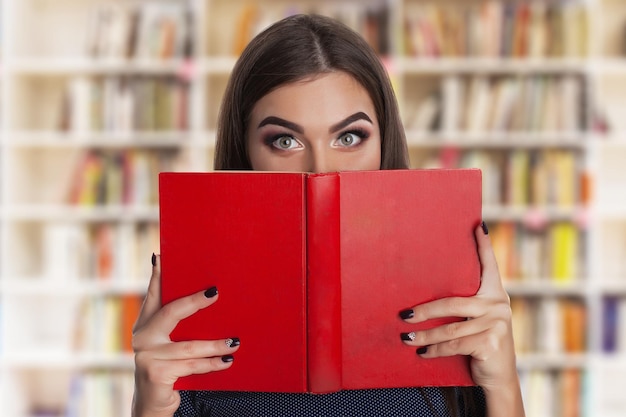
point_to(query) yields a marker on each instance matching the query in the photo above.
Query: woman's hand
(486, 335)
(159, 362)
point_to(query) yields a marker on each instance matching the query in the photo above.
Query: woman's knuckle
(501, 328)
(196, 366)
(455, 305)
(493, 343)
(453, 345)
(451, 330)
(504, 310)
(188, 348)
(155, 371)
(138, 341)
(168, 311)
(141, 360)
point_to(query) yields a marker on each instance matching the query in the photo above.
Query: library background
(98, 96)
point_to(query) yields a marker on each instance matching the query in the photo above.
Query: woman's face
(324, 124)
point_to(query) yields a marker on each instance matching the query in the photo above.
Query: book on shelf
(64, 251)
(427, 115)
(119, 177)
(313, 269)
(552, 252)
(453, 93)
(614, 324)
(371, 21)
(98, 393)
(153, 30)
(103, 251)
(535, 179)
(125, 104)
(558, 392)
(534, 104)
(549, 325)
(104, 324)
(496, 29)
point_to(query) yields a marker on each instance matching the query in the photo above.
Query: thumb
(490, 276)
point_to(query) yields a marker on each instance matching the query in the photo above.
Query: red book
(312, 270)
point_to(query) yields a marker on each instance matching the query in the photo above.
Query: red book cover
(312, 270)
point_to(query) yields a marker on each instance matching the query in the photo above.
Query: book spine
(323, 284)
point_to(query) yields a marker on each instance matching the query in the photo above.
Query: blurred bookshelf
(98, 96)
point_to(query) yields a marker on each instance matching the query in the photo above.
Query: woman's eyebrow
(345, 122)
(273, 120)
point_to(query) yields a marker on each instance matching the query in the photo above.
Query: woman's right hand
(159, 362)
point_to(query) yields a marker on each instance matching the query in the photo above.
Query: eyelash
(358, 132)
(269, 140)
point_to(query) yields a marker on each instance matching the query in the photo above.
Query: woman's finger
(167, 317)
(195, 349)
(446, 332)
(446, 307)
(481, 346)
(152, 301)
(490, 277)
(165, 373)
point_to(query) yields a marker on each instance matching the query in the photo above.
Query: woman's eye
(285, 143)
(349, 139)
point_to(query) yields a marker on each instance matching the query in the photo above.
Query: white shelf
(75, 360)
(612, 286)
(497, 139)
(547, 287)
(47, 67)
(610, 212)
(489, 65)
(84, 287)
(79, 213)
(221, 65)
(532, 214)
(610, 66)
(50, 139)
(552, 361)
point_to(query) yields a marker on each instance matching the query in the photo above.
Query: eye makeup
(270, 140)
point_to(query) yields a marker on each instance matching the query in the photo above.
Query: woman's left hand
(487, 333)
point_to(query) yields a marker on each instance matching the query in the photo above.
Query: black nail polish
(406, 314)
(484, 227)
(228, 358)
(211, 292)
(153, 259)
(422, 350)
(409, 337)
(233, 342)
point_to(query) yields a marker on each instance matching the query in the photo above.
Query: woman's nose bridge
(320, 159)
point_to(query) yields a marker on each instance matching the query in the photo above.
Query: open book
(313, 269)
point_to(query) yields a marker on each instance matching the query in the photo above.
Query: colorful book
(313, 269)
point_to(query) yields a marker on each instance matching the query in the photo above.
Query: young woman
(308, 94)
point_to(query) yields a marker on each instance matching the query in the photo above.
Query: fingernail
(233, 342)
(228, 358)
(153, 259)
(422, 350)
(406, 314)
(211, 292)
(408, 336)
(484, 227)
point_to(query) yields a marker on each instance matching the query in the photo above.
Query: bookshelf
(79, 148)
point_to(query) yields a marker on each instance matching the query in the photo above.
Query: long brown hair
(294, 49)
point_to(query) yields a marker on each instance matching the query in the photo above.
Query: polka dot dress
(399, 402)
